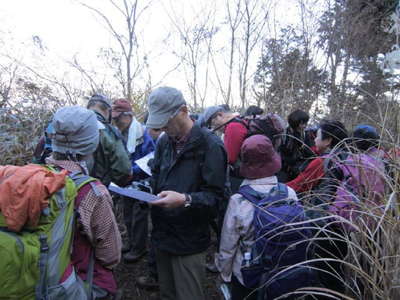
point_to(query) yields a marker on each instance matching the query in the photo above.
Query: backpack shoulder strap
(241, 121)
(278, 192)
(250, 194)
(113, 130)
(333, 164)
(327, 163)
(81, 179)
(233, 120)
(281, 189)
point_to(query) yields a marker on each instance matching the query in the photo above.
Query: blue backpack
(278, 243)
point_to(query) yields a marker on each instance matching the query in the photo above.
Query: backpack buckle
(44, 247)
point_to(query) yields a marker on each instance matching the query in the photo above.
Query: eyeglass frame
(173, 115)
(123, 113)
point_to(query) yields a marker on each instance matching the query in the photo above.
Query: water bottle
(247, 258)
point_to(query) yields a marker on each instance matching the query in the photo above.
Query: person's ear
(329, 141)
(219, 114)
(185, 109)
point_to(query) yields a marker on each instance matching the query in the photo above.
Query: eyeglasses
(174, 114)
(124, 113)
(212, 122)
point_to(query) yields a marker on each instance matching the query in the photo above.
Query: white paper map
(143, 163)
(132, 193)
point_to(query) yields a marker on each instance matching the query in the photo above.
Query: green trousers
(181, 277)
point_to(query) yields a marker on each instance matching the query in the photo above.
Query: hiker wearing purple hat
(260, 163)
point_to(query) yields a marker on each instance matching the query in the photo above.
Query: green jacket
(111, 160)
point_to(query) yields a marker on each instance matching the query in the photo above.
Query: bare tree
(8, 76)
(86, 75)
(131, 62)
(235, 17)
(254, 21)
(196, 38)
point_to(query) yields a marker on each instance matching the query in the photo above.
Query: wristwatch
(188, 200)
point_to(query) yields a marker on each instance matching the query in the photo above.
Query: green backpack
(34, 259)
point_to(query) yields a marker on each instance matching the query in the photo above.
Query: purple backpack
(277, 242)
(363, 180)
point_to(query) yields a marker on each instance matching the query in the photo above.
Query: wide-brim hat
(75, 131)
(259, 158)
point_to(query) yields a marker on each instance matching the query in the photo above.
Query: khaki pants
(181, 277)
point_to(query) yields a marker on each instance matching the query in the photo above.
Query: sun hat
(75, 131)
(259, 158)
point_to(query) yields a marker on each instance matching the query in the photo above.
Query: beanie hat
(75, 131)
(365, 137)
(365, 132)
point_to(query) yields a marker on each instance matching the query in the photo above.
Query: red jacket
(234, 135)
(310, 177)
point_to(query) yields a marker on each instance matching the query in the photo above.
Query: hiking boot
(132, 256)
(147, 282)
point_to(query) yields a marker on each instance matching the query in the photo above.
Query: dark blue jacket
(148, 145)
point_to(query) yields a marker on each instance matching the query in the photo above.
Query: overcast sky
(66, 28)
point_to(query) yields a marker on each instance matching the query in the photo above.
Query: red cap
(119, 106)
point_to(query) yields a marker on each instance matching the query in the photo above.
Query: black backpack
(270, 125)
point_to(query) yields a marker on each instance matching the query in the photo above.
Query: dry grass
(21, 126)
(371, 267)
(19, 133)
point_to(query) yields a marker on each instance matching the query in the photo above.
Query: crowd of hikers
(276, 196)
